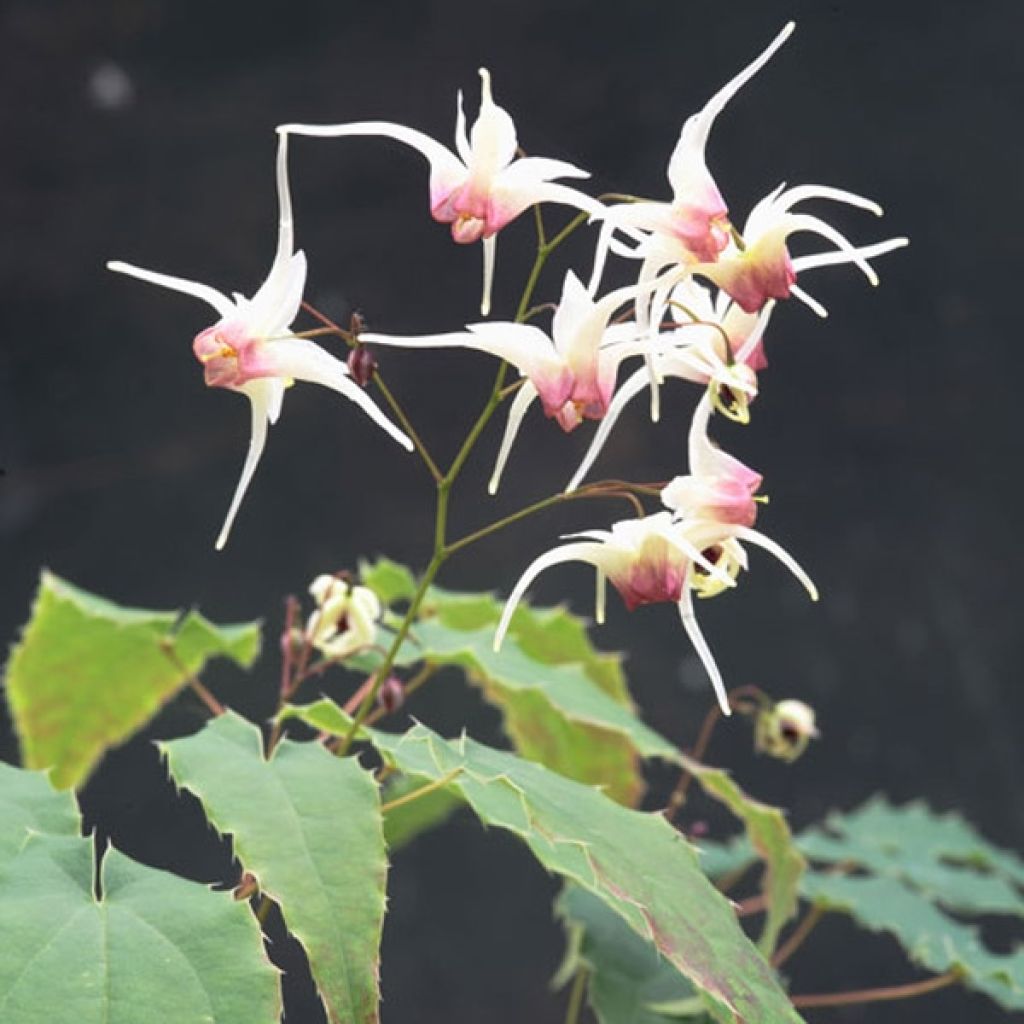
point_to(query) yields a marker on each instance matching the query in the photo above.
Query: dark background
(888, 435)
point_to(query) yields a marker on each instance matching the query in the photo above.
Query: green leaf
(768, 833)
(29, 804)
(939, 854)
(88, 673)
(390, 581)
(403, 823)
(554, 713)
(720, 859)
(634, 862)
(929, 937)
(307, 825)
(154, 944)
(918, 865)
(628, 980)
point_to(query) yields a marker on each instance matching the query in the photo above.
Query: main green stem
(442, 550)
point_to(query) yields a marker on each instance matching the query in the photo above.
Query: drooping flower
(251, 349)
(714, 343)
(573, 372)
(483, 187)
(757, 267)
(694, 227)
(785, 729)
(695, 546)
(345, 620)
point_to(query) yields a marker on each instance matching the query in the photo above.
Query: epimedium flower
(572, 372)
(482, 186)
(757, 265)
(712, 342)
(695, 546)
(694, 227)
(251, 349)
(345, 619)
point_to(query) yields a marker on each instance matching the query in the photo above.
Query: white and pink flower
(482, 186)
(573, 372)
(251, 348)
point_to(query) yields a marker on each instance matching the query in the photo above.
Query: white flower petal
(517, 410)
(632, 387)
(799, 193)
(694, 137)
(700, 644)
(443, 162)
(834, 256)
(592, 553)
(302, 359)
(492, 139)
(490, 246)
(760, 540)
(461, 139)
(220, 302)
(260, 395)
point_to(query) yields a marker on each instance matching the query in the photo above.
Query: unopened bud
(362, 365)
(356, 323)
(783, 730)
(391, 695)
(292, 641)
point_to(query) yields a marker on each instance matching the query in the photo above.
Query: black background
(888, 434)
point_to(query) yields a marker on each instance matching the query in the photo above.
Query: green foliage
(403, 823)
(628, 981)
(307, 825)
(146, 942)
(28, 803)
(915, 866)
(565, 704)
(769, 835)
(390, 581)
(634, 862)
(88, 673)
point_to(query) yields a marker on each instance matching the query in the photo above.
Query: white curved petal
(808, 300)
(632, 387)
(695, 132)
(805, 222)
(442, 160)
(512, 199)
(302, 359)
(834, 256)
(526, 347)
(700, 645)
(260, 395)
(492, 138)
(273, 309)
(220, 302)
(590, 552)
(517, 410)
(490, 246)
(799, 193)
(530, 170)
(461, 139)
(760, 540)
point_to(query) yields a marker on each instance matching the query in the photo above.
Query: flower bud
(292, 641)
(391, 695)
(783, 730)
(362, 365)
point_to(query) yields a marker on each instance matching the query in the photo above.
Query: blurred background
(143, 130)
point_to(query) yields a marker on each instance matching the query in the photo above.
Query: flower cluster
(697, 309)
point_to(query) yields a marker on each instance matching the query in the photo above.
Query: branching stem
(878, 995)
